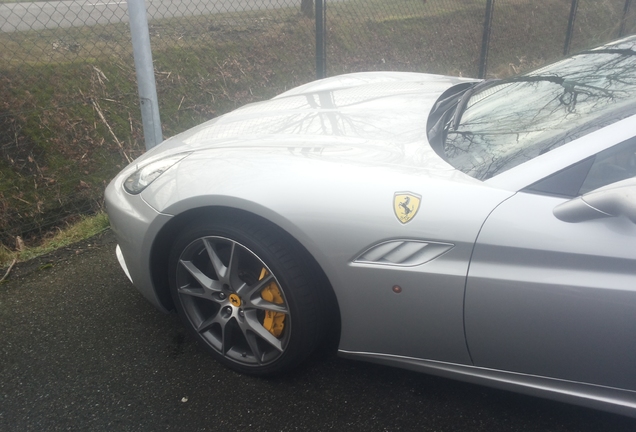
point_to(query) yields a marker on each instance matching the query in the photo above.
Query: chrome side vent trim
(403, 253)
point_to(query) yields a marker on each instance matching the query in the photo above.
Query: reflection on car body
(482, 231)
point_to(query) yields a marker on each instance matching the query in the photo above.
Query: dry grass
(86, 227)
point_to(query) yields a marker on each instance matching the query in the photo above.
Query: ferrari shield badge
(406, 205)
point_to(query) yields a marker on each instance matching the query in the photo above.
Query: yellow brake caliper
(274, 322)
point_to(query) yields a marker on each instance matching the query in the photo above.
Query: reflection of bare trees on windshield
(514, 120)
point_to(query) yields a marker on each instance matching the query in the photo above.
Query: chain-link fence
(69, 110)
(57, 99)
(535, 32)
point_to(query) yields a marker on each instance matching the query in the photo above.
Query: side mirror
(617, 199)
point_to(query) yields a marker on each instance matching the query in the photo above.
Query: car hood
(369, 118)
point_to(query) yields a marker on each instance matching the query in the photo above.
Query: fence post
(485, 40)
(145, 73)
(321, 39)
(621, 32)
(568, 36)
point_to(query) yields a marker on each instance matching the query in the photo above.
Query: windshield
(498, 124)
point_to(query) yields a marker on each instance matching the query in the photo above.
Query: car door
(557, 298)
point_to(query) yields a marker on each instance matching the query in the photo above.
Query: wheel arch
(164, 240)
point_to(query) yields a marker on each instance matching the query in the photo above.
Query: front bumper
(135, 225)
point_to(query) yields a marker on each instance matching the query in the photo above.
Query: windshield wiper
(440, 114)
(463, 100)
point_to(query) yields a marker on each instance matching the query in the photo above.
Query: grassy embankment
(69, 116)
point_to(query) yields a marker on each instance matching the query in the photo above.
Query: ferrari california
(479, 230)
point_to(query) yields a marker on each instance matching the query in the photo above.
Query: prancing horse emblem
(235, 300)
(406, 205)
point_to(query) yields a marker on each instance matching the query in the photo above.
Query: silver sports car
(478, 230)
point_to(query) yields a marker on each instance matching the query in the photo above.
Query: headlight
(142, 178)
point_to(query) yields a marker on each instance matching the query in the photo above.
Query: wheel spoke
(251, 341)
(195, 292)
(232, 271)
(226, 340)
(259, 303)
(209, 323)
(197, 274)
(219, 267)
(209, 288)
(248, 291)
(251, 323)
(251, 294)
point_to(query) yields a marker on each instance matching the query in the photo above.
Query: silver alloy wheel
(221, 285)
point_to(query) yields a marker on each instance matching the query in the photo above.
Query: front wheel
(245, 292)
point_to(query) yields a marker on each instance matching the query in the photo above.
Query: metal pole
(621, 32)
(568, 36)
(145, 73)
(321, 39)
(485, 40)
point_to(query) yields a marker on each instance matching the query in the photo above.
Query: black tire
(244, 289)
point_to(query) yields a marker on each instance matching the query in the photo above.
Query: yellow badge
(406, 205)
(235, 300)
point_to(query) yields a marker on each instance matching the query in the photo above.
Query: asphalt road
(54, 14)
(80, 349)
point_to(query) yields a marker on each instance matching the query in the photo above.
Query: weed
(85, 227)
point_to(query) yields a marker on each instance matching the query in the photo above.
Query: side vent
(403, 253)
